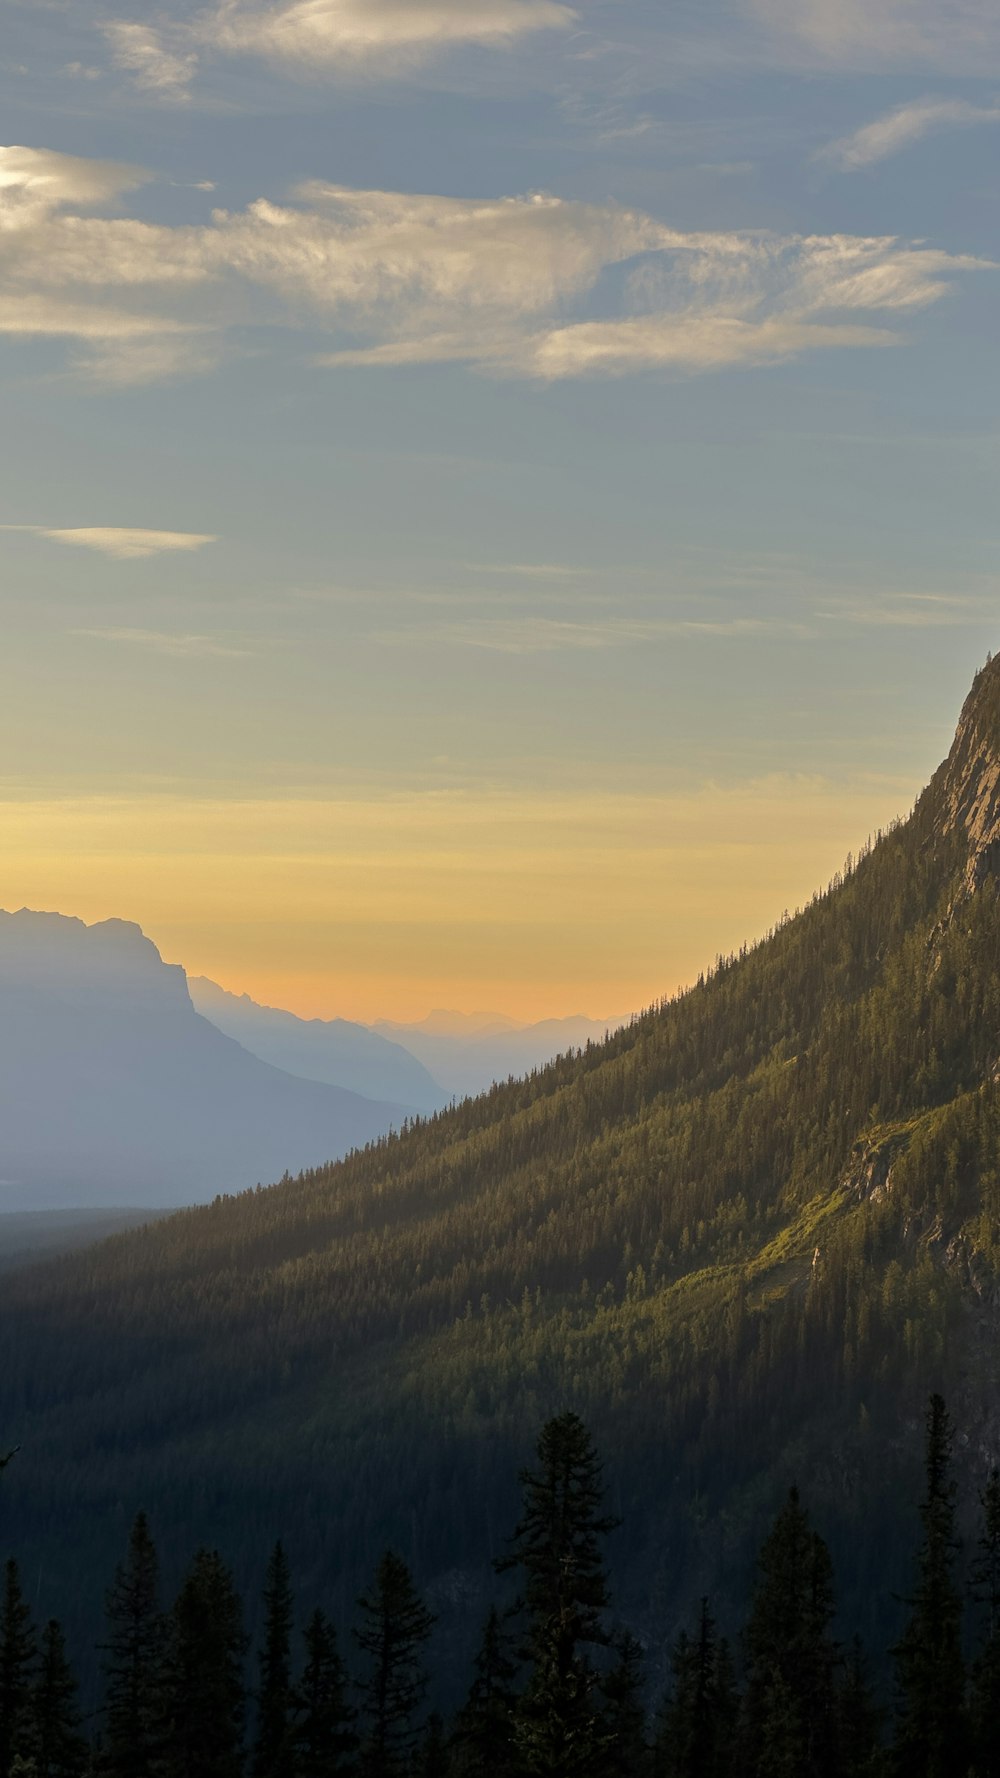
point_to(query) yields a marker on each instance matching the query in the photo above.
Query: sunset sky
(497, 497)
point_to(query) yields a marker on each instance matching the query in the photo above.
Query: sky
(497, 497)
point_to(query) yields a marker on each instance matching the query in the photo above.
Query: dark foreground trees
(559, 1689)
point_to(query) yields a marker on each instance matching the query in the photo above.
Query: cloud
(34, 182)
(125, 543)
(953, 36)
(327, 34)
(907, 123)
(157, 69)
(179, 646)
(536, 286)
(538, 635)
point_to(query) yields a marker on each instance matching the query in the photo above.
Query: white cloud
(126, 543)
(180, 646)
(157, 69)
(952, 36)
(325, 34)
(35, 182)
(507, 285)
(542, 635)
(907, 123)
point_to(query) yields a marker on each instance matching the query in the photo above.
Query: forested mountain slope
(742, 1238)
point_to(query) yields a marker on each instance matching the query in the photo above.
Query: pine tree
(395, 1625)
(61, 1751)
(205, 1696)
(434, 1760)
(790, 1705)
(272, 1752)
(985, 1698)
(557, 1545)
(483, 1738)
(133, 1652)
(697, 1719)
(858, 1717)
(323, 1734)
(17, 1671)
(623, 1723)
(930, 1739)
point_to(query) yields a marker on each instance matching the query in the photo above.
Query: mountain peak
(970, 777)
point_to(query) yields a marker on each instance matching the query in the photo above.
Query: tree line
(558, 1690)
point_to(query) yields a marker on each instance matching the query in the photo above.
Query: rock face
(113, 1089)
(969, 780)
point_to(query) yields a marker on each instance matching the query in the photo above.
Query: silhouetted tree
(205, 1692)
(395, 1625)
(858, 1717)
(133, 1652)
(323, 1735)
(17, 1674)
(930, 1738)
(272, 1751)
(697, 1719)
(557, 1544)
(623, 1723)
(60, 1750)
(483, 1738)
(790, 1717)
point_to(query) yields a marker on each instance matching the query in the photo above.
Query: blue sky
(497, 498)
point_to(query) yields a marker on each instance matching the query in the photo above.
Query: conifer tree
(557, 1544)
(205, 1693)
(698, 1716)
(858, 1717)
(272, 1752)
(323, 1735)
(395, 1625)
(60, 1749)
(133, 1653)
(930, 1738)
(789, 1722)
(483, 1738)
(985, 1699)
(434, 1760)
(623, 1723)
(17, 1672)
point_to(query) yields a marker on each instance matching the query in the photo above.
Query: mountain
(114, 1091)
(469, 1052)
(744, 1238)
(331, 1050)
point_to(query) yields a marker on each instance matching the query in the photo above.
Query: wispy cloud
(906, 124)
(314, 39)
(125, 543)
(538, 635)
(180, 645)
(507, 285)
(157, 69)
(953, 36)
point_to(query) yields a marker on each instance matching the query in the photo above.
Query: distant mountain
(335, 1051)
(468, 1052)
(114, 1091)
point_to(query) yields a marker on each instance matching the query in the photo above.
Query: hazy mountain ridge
(467, 1055)
(743, 1237)
(114, 1090)
(334, 1051)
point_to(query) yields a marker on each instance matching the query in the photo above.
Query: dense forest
(557, 1687)
(744, 1239)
